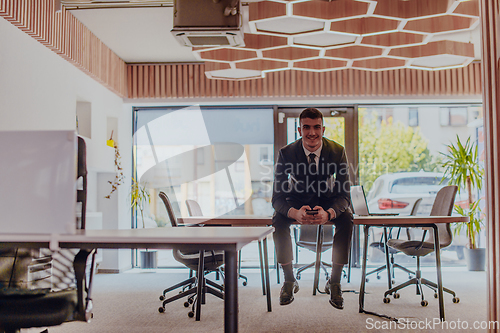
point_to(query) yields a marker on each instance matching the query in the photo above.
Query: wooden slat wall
(179, 81)
(64, 34)
(490, 23)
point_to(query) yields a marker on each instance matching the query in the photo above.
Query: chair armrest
(422, 242)
(84, 306)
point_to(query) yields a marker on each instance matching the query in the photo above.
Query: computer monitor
(38, 181)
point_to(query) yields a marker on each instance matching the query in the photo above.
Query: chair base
(393, 265)
(322, 264)
(192, 287)
(418, 281)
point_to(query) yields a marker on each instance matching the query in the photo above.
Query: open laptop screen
(358, 200)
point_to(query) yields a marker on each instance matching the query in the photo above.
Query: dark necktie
(312, 162)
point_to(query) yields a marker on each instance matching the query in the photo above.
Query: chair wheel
(186, 304)
(190, 314)
(436, 295)
(387, 300)
(424, 303)
(393, 281)
(190, 301)
(396, 295)
(244, 283)
(456, 300)
(378, 277)
(162, 298)
(161, 309)
(367, 280)
(298, 277)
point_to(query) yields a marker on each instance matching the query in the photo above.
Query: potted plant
(463, 169)
(139, 199)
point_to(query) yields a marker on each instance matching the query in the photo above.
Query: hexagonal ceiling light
(362, 34)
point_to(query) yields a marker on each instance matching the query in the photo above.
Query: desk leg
(363, 272)
(262, 277)
(319, 245)
(231, 292)
(268, 283)
(201, 284)
(387, 261)
(437, 249)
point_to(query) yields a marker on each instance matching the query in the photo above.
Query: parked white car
(397, 192)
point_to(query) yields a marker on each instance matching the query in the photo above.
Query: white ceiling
(142, 34)
(136, 34)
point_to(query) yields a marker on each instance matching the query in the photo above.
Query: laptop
(359, 204)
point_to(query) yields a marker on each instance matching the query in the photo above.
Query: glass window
(454, 116)
(400, 160)
(413, 117)
(219, 157)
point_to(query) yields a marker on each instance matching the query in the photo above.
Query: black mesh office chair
(305, 237)
(443, 206)
(380, 245)
(213, 260)
(68, 300)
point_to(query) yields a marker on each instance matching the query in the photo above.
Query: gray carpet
(128, 302)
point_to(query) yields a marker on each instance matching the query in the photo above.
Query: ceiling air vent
(203, 23)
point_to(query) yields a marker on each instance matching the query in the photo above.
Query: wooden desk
(228, 239)
(404, 221)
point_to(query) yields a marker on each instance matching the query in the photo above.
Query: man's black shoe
(287, 291)
(336, 299)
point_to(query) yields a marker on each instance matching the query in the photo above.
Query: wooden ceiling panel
(470, 7)
(354, 52)
(445, 23)
(435, 48)
(262, 64)
(291, 53)
(393, 39)
(379, 63)
(320, 64)
(412, 8)
(255, 41)
(265, 9)
(329, 10)
(365, 25)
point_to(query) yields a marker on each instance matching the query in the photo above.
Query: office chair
(213, 260)
(194, 209)
(306, 237)
(68, 300)
(381, 246)
(443, 206)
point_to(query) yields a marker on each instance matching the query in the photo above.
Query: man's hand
(301, 216)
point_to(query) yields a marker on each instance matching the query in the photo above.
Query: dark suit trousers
(341, 238)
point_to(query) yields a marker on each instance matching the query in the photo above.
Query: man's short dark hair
(311, 113)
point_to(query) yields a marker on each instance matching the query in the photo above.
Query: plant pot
(149, 259)
(476, 259)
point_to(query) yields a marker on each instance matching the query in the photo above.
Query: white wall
(39, 91)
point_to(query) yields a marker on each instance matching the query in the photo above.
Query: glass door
(341, 126)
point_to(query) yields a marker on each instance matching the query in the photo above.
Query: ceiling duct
(203, 23)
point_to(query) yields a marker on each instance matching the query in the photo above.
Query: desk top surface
(358, 220)
(140, 238)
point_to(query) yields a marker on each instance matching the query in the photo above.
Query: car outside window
(417, 185)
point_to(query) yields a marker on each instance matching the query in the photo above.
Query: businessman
(311, 186)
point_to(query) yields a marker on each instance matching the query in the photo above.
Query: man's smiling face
(311, 131)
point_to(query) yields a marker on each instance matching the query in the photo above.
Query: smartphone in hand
(312, 212)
